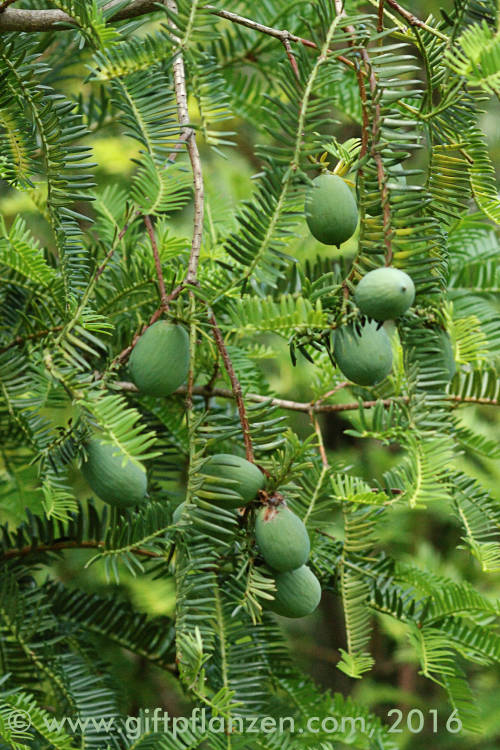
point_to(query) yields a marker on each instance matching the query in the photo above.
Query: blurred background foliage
(426, 537)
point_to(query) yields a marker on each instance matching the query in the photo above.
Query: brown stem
(19, 340)
(236, 388)
(121, 235)
(473, 400)
(337, 388)
(326, 534)
(6, 4)
(293, 61)
(156, 255)
(307, 406)
(211, 383)
(381, 177)
(46, 20)
(190, 382)
(410, 17)
(339, 8)
(51, 20)
(380, 20)
(174, 294)
(180, 143)
(124, 354)
(103, 265)
(365, 122)
(281, 34)
(321, 445)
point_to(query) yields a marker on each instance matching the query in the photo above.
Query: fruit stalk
(381, 176)
(236, 388)
(156, 255)
(293, 61)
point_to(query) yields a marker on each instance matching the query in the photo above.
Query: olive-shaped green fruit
(242, 480)
(385, 293)
(365, 357)
(331, 210)
(159, 362)
(282, 538)
(394, 178)
(113, 476)
(298, 593)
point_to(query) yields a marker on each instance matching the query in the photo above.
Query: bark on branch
(305, 406)
(46, 20)
(189, 136)
(17, 19)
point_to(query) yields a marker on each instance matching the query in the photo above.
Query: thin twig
(410, 17)
(121, 235)
(381, 177)
(339, 9)
(236, 388)
(474, 400)
(365, 123)
(194, 156)
(156, 255)
(190, 382)
(293, 61)
(14, 19)
(380, 20)
(306, 406)
(413, 22)
(125, 353)
(20, 340)
(180, 143)
(46, 20)
(6, 4)
(321, 445)
(282, 34)
(174, 294)
(337, 388)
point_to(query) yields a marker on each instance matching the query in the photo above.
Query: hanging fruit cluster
(284, 544)
(159, 364)
(362, 349)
